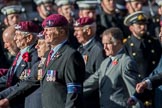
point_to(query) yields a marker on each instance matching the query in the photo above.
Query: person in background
(30, 87)
(89, 9)
(10, 45)
(9, 42)
(117, 75)
(27, 56)
(143, 48)
(12, 15)
(62, 81)
(151, 82)
(66, 8)
(92, 52)
(44, 9)
(110, 18)
(133, 5)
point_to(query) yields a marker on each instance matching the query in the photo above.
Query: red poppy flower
(115, 62)
(26, 57)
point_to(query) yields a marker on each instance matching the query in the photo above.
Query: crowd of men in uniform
(71, 54)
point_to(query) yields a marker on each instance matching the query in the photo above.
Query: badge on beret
(51, 75)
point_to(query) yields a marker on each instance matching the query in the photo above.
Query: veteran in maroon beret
(92, 53)
(64, 68)
(25, 38)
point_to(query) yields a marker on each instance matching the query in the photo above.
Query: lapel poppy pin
(26, 56)
(115, 62)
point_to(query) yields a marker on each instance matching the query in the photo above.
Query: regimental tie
(49, 57)
(11, 74)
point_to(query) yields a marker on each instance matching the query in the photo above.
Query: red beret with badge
(27, 26)
(83, 22)
(55, 20)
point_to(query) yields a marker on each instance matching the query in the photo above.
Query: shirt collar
(88, 41)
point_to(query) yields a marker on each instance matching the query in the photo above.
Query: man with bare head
(8, 39)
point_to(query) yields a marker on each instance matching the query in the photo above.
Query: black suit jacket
(28, 88)
(22, 66)
(69, 69)
(146, 52)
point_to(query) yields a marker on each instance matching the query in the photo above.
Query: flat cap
(12, 9)
(83, 22)
(27, 26)
(136, 17)
(63, 2)
(159, 2)
(88, 4)
(38, 2)
(55, 20)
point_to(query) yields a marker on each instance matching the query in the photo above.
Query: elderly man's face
(41, 47)
(52, 35)
(10, 44)
(81, 35)
(110, 46)
(20, 39)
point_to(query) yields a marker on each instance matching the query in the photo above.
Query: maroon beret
(83, 21)
(27, 26)
(55, 20)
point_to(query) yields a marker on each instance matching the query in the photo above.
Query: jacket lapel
(55, 58)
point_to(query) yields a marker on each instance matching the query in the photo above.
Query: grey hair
(116, 33)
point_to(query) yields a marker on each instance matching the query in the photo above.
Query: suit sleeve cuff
(149, 84)
(134, 98)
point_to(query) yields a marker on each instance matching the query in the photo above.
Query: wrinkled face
(41, 47)
(134, 6)
(10, 45)
(139, 29)
(51, 35)
(20, 39)
(87, 13)
(13, 19)
(80, 35)
(110, 47)
(108, 5)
